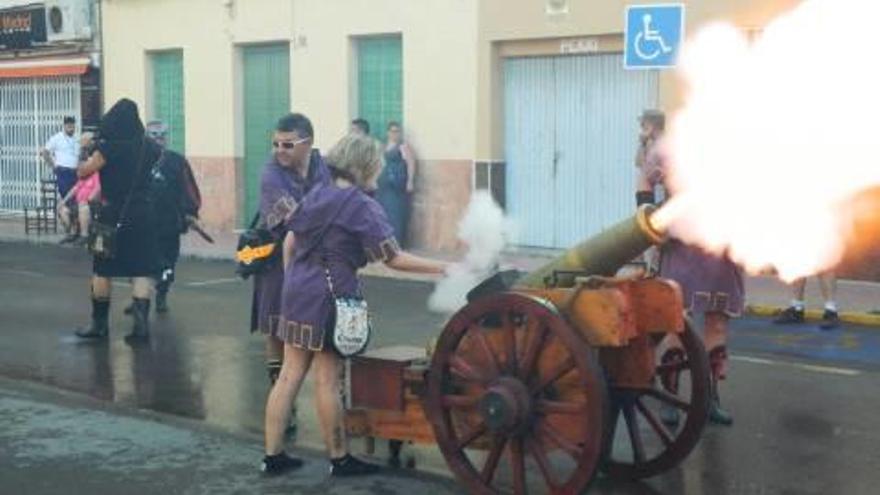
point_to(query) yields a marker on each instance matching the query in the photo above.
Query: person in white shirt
(62, 153)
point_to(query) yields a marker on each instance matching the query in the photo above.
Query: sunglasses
(289, 145)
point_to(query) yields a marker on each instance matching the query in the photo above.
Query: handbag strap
(137, 171)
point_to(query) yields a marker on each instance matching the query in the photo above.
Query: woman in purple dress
(337, 228)
(712, 286)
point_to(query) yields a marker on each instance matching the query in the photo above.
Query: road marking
(216, 281)
(808, 367)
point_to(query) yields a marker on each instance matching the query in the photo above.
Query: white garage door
(570, 137)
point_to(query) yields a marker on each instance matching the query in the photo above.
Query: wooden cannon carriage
(534, 386)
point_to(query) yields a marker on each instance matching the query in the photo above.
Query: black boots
(100, 326)
(141, 313)
(717, 415)
(161, 301)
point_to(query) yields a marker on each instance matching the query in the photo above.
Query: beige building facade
(474, 89)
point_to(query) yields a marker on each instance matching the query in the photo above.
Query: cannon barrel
(603, 254)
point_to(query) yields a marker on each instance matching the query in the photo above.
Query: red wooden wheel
(652, 442)
(516, 398)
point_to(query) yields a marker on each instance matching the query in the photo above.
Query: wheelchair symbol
(649, 44)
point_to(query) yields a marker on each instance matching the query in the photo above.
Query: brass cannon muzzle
(603, 254)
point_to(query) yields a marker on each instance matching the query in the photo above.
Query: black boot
(717, 415)
(162, 301)
(100, 321)
(141, 330)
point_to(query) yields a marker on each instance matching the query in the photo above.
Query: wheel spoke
(518, 465)
(533, 348)
(509, 342)
(463, 369)
(491, 465)
(556, 373)
(560, 440)
(613, 417)
(558, 407)
(460, 401)
(487, 350)
(667, 398)
(635, 436)
(543, 463)
(656, 425)
(475, 433)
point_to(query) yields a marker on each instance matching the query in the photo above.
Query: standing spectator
(295, 167)
(124, 158)
(712, 286)
(62, 154)
(795, 312)
(86, 192)
(337, 229)
(396, 183)
(360, 127)
(177, 199)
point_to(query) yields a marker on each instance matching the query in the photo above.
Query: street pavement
(184, 414)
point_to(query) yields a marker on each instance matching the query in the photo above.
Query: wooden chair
(43, 218)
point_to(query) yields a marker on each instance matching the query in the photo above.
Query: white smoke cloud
(485, 231)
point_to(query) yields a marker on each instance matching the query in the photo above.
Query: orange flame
(776, 136)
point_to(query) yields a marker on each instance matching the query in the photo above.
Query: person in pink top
(86, 190)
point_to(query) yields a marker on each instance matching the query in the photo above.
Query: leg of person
(84, 214)
(169, 249)
(328, 399)
(65, 178)
(142, 290)
(296, 364)
(274, 358)
(828, 287)
(794, 313)
(715, 338)
(100, 327)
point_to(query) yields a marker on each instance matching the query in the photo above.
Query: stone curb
(857, 318)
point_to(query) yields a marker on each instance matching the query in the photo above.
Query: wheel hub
(506, 406)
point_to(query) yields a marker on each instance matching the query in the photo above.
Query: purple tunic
(709, 283)
(358, 233)
(281, 190)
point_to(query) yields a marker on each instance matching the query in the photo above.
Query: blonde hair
(356, 158)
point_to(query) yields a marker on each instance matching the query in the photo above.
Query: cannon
(542, 381)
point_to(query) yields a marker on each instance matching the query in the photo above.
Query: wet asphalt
(184, 414)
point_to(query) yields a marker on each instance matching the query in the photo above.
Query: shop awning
(46, 67)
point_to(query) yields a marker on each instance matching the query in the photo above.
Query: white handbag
(351, 333)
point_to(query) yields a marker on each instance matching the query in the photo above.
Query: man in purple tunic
(712, 286)
(338, 229)
(291, 172)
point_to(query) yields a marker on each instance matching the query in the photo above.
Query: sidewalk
(54, 442)
(765, 296)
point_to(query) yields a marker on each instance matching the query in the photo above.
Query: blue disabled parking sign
(653, 36)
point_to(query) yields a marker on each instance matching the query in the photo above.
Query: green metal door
(266, 99)
(380, 82)
(168, 96)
